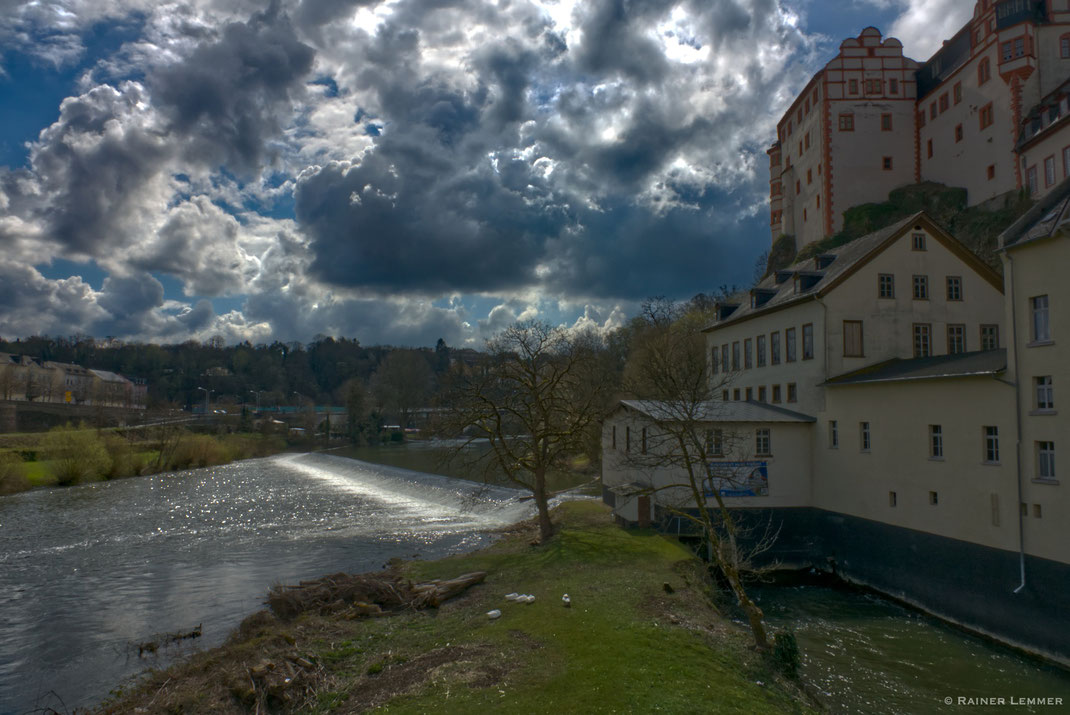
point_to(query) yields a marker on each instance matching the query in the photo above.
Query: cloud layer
(395, 171)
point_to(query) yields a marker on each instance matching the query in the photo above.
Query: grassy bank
(75, 455)
(640, 636)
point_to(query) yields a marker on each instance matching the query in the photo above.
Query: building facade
(903, 408)
(977, 108)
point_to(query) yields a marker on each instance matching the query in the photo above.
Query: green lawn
(626, 644)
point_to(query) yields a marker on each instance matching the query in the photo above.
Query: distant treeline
(282, 373)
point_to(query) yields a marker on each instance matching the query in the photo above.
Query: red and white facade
(984, 113)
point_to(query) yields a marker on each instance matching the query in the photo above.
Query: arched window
(984, 71)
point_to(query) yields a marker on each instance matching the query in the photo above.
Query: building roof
(973, 364)
(845, 260)
(107, 376)
(1050, 216)
(719, 411)
(1041, 121)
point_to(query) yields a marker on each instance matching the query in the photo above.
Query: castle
(988, 112)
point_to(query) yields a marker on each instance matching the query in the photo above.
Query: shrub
(786, 654)
(125, 462)
(77, 454)
(12, 478)
(197, 450)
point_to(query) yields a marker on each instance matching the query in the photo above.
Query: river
(88, 572)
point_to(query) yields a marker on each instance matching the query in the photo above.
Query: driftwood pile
(365, 595)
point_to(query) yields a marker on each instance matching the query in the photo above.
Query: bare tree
(402, 383)
(535, 402)
(683, 451)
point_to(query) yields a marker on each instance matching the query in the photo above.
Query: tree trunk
(546, 527)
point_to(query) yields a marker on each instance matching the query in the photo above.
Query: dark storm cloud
(616, 39)
(232, 95)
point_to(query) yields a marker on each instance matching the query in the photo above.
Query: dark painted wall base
(967, 584)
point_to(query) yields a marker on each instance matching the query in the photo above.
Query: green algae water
(867, 654)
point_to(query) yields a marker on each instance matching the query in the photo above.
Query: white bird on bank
(512, 596)
(566, 601)
(494, 614)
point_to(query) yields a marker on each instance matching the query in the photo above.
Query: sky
(397, 171)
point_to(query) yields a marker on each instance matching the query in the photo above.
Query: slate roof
(846, 259)
(973, 364)
(1050, 216)
(720, 411)
(107, 376)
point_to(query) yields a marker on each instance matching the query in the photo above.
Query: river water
(88, 572)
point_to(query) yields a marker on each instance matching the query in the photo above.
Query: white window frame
(865, 437)
(1044, 392)
(991, 444)
(1039, 307)
(1046, 460)
(936, 442)
(763, 437)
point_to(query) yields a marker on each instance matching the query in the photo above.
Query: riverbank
(65, 456)
(627, 643)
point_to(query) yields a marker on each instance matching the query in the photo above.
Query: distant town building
(985, 113)
(27, 379)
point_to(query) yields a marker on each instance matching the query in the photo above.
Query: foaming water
(88, 572)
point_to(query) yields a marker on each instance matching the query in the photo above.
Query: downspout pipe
(1017, 416)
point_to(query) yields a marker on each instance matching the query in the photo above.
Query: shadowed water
(88, 572)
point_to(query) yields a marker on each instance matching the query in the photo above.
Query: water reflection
(88, 571)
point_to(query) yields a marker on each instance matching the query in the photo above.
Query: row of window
(920, 283)
(1049, 172)
(990, 444)
(715, 443)
(748, 393)
(754, 352)
(805, 109)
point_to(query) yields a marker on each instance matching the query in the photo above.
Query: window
(735, 355)
(984, 71)
(798, 186)
(715, 442)
(809, 176)
(886, 122)
(991, 444)
(921, 118)
(789, 344)
(713, 361)
(989, 337)
(761, 351)
(886, 163)
(627, 439)
(808, 341)
(991, 171)
(929, 149)
(1066, 161)
(943, 103)
(1031, 180)
(1045, 460)
(793, 394)
(885, 285)
(642, 447)
(1049, 171)
(893, 86)
(921, 287)
(917, 241)
(852, 86)
(761, 393)
(806, 140)
(1037, 511)
(954, 287)
(748, 355)
(958, 133)
(834, 435)
(934, 498)
(922, 340)
(957, 92)
(774, 347)
(863, 429)
(891, 498)
(776, 393)
(1041, 328)
(956, 339)
(932, 110)
(986, 116)
(749, 394)
(847, 122)
(873, 86)
(735, 394)
(724, 358)
(614, 438)
(1064, 46)
(1045, 392)
(852, 338)
(936, 442)
(762, 442)
(724, 395)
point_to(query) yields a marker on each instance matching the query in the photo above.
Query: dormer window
(783, 276)
(760, 296)
(823, 261)
(723, 310)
